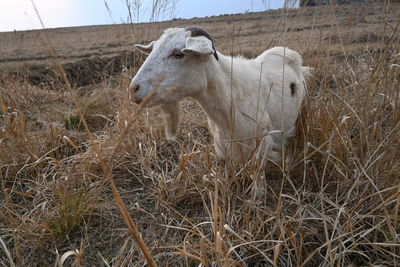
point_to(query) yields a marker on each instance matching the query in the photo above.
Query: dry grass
(338, 206)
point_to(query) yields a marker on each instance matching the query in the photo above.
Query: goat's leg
(269, 150)
(259, 185)
(171, 118)
(265, 155)
(290, 149)
(221, 147)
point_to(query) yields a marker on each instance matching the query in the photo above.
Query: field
(73, 147)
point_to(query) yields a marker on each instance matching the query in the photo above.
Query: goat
(251, 104)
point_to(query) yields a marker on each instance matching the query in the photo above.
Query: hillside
(69, 131)
(95, 52)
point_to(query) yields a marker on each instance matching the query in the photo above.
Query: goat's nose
(135, 88)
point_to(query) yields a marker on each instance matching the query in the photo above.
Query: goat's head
(176, 66)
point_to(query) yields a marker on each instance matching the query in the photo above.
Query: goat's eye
(177, 55)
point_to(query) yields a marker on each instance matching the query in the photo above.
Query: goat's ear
(198, 45)
(145, 48)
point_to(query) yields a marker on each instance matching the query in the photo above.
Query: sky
(20, 15)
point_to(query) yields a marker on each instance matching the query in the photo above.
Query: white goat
(251, 104)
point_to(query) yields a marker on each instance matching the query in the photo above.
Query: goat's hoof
(258, 188)
(258, 193)
(170, 136)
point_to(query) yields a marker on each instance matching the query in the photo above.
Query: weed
(71, 212)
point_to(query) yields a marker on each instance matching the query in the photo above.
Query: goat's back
(285, 83)
(291, 58)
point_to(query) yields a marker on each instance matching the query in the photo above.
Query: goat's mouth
(158, 96)
(137, 100)
(147, 101)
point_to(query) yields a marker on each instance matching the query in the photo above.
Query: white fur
(248, 102)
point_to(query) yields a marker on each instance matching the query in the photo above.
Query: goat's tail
(292, 59)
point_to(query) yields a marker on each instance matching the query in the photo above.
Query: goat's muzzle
(134, 88)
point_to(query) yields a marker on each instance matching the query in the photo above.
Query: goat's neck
(218, 100)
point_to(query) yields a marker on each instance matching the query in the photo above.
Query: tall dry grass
(337, 206)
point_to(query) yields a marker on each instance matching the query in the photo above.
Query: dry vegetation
(59, 146)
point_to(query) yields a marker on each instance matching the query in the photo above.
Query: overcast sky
(20, 15)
